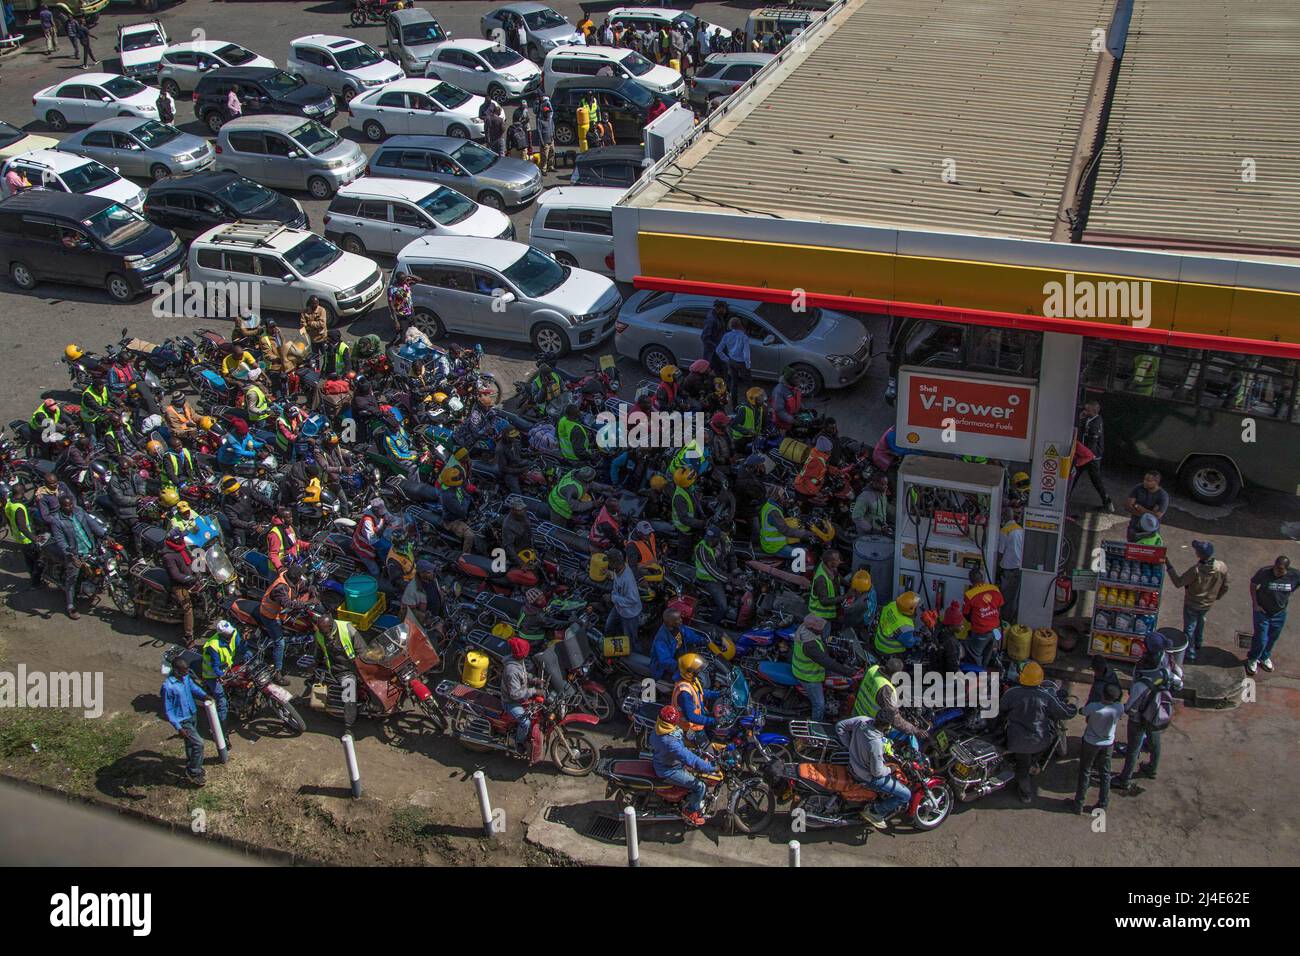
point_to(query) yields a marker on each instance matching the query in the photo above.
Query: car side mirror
(117, 170)
(507, 297)
(293, 154)
(330, 66)
(286, 277)
(106, 99)
(770, 340)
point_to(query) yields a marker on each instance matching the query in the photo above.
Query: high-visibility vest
(647, 550)
(547, 389)
(700, 573)
(368, 524)
(772, 538)
(1152, 540)
(225, 653)
(288, 540)
(256, 402)
(12, 510)
(815, 605)
(804, 667)
(1145, 368)
(695, 691)
(172, 475)
(556, 499)
(564, 433)
(864, 704)
(344, 630)
(405, 561)
(690, 508)
(813, 474)
(531, 637)
(45, 415)
(890, 622)
(270, 607)
(749, 421)
(341, 358)
(93, 403)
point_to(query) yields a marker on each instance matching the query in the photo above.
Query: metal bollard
(217, 735)
(794, 853)
(354, 771)
(484, 804)
(629, 827)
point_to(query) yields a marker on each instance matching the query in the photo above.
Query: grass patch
(211, 798)
(69, 748)
(411, 826)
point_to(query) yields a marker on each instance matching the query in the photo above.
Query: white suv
(345, 66)
(183, 64)
(289, 266)
(610, 61)
(486, 68)
(70, 173)
(507, 290)
(375, 214)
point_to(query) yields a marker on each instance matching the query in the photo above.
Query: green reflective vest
(258, 407)
(1152, 540)
(700, 573)
(172, 474)
(225, 653)
(864, 704)
(815, 605)
(890, 622)
(12, 510)
(748, 423)
(770, 536)
(93, 403)
(344, 630)
(804, 667)
(42, 415)
(559, 504)
(1145, 368)
(680, 492)
(564, 432)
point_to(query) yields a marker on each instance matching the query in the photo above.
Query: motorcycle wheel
(776, 701)
(289, 716)
(755, 807)
(927, 817)
(432, 711)
(121, 595)
(600, 705)
(488, 383)
(357, 17)
(624, 688)
(578, 758)
(781, 753)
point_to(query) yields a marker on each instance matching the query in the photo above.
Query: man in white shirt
(1011, 553)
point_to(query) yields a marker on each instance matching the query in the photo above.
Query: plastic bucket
(360, 593)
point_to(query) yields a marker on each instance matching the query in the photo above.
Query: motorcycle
(100, 572)
(742, 798)
(783, 695)
(248, 687)
(373, 11)
(217, 583)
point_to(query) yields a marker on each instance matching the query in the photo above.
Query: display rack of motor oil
(1128, 600)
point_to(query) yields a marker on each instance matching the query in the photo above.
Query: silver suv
(290, 152)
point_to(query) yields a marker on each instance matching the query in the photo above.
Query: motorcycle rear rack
(477, 730)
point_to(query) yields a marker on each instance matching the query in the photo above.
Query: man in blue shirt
(673, 762)
(178, 693)
(671, 642)
(734, 357)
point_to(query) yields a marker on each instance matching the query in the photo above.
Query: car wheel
(214, 121)
(374, 132)
(158, 171)
(655, 357)
(807, 379)
(564, 259)
(319, 188)
(347, 94)
(1210, 480)
(22, 276)
(549, 340)
(492, 200)
(458, 131)
(56, 121)
(172, 87)
(497, 92)
(119, 288)
(428, 323)
(534, 54)
(353, 245)
(565, 134)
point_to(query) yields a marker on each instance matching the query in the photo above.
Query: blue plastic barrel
(360, 593)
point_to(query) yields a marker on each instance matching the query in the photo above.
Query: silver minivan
(575, 224)
(411, 35)
(289, 152)
(384, 215)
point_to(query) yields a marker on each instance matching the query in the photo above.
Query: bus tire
(1211, 480)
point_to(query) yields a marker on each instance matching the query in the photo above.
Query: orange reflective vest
(693, 691)
(271, 608)
(813, 475)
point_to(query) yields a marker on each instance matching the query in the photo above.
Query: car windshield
(686, 18)
(115, 225)
(636, 64)
(244, 195)
(314, 138)
(500, 59)
(89, 176)
(122, 87)
(281, 82)
(312, 255)
(474, 157)
(707, 70)
(638, 94)
(415, 34)
(141, 41)
(234, 54)
(152, 134)
(358, 57)
(543, 19)
(535, 274)
(792, 325)
(9, 134)
(446, 206)
(449, 96)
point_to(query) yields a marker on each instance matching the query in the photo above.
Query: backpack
(542, 437)
(1158, 708)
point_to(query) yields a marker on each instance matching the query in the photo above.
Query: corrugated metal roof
(1204, 86)
(862, 125)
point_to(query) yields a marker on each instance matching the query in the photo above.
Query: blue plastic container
(360, 593)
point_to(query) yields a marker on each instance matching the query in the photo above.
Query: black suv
(261, 89)
(609, 166)
(193, 204)
(84, 240)
(622, 101)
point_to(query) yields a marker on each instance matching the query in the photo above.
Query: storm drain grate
(606, 829)
(1244, 639)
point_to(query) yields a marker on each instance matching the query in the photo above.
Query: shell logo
(913, 438)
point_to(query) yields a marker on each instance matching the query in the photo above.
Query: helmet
(230, 485)
(225, 628)
(502, 629)
(861, 581)
(907, 602)
(527, 556)
(643, 529)
(154, 447)
(452, 477)
(1150, 523)
(700, 366)
(690, 664)
(684, 477)
(518, 647)
(598, 568)
(658, 482)
(756, 396)
(712, 533)
(206, 422)
(169, 497)
(652, 572)
(585, 475)
(73, 353)
(1031, 675)
(719, 420)
(1020, 482)
(439, 397)
(669, 373)
(670, 715)
(183, 507)
(533, 597)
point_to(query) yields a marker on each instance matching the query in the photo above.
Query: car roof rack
(249, 233)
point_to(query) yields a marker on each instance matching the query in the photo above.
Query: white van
(575, 224)
(590, 60)
(374, 214)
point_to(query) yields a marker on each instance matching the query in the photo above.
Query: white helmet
(225, 628)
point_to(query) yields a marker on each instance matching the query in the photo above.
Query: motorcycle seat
(490, 644)
(245, 609)
(481, 700)
(633, 769)
(778, 672)
(258, 563)
(153, 537)
(508, 608)
(835, 778)
(638, 664)
(157, 579)
(475, 565)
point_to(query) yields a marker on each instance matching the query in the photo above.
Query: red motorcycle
(480, 721)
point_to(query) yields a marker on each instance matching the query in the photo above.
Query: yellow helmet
(154, 447)
(823, 530)
(1020, 481)
(684, 477)
(690, 664)
(527, 556)
(598, 568)
(756, 396)
(230, 485)
(723, 646)
(658, 482)
(206, 422)
(669, 373)
(183, 507)
(907, 602)
(502, 629)
(652, 572)
(312, 495)
(861, 581)
(1031, 675)
(439, 397)
(452, 476)
(169, 497)
(73, 353)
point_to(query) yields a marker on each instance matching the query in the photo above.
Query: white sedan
(419, 106)
(91, 97)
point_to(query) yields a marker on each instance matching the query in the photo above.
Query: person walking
(234, 109)
(166, 107)
(74, 37)
(400, 304)
(625, 597)
(546, 134)
(178, 693)
(1147, 719)
(1092, 435)
(48, 30)
(734, 356)
(1096, 746)
(1203, 583)
(85, 36)
(1270, 590)
(314, 322)
(494, 129)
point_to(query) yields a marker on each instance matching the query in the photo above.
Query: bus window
(1096, 364)
(1157, 372)
(1004, 350)
(932, 344)
(1249, 384)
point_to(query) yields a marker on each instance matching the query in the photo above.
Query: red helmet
(700, 366)
(518, 647)
(50, 403)
(670, 714)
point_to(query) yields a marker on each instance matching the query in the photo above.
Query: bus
(1219, 421)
